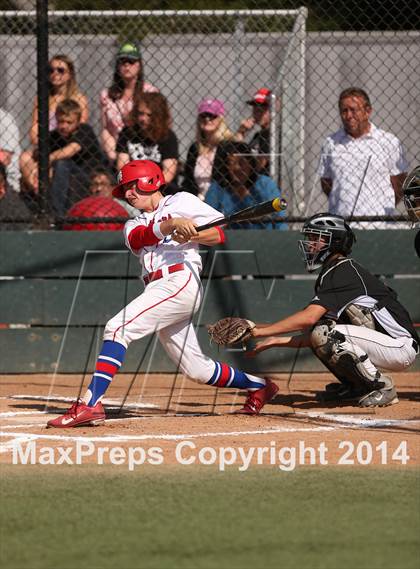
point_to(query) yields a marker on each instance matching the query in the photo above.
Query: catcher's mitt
(228, 331)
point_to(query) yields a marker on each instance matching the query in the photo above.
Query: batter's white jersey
(167, 251)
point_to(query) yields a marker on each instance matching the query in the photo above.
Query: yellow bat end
(279, 204)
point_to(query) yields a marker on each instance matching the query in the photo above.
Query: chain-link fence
(236, 106)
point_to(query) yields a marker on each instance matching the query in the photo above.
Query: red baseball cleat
(79, 414)
(257, 399)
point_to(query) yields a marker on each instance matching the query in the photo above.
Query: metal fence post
(43, 119)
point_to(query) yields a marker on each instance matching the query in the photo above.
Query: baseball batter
(354, 323)
(165, 240)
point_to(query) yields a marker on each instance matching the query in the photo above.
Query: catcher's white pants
(166, 306)
(384, 352)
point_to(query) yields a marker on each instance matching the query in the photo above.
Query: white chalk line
(341, 422)
(22, 426)
(115, 404)
(349, 420)
(6, 447)
(59, 399)
(18, 413)
(165, 437)
(358, 421)
(9, 445)
(42, 422)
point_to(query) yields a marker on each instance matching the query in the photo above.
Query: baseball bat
(249, 213)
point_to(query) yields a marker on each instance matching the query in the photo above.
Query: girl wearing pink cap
(211, 130)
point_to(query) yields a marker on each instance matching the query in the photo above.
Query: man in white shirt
(362, 167)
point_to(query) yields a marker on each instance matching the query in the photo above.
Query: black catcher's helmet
(411, 193)
(323, 235)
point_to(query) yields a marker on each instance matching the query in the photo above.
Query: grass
(201, 518)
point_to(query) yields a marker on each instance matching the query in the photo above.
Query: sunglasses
(123, 61)
(59, 70)
(207, 117)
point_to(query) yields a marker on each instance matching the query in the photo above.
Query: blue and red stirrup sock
(227, 376)
(108, 363)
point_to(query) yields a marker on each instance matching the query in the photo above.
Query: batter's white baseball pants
(166, 306)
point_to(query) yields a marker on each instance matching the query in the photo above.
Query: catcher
(354, 323)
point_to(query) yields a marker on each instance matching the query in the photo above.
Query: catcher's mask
(411, 193)
(147, 174)
(324, 234)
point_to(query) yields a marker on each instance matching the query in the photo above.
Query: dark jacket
(189, 184)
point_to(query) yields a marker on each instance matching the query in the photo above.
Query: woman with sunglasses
(211, 130)
(62, 85)
(117, 102)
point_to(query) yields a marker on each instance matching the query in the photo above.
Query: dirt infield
(191, 424)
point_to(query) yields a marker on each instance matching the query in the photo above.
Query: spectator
(260, 142)
(62, 85)
(211, 129)
(102, 184)
(150, 137)
(13, 212)
(242, 186)
(74, 153)
(10, 148)
(117, 101)
(95, 207)
(362, 167)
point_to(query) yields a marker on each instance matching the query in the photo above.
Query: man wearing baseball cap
(260, 142)
(261, 97)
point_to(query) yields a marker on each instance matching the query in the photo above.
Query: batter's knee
(200, 371)
(115, 332)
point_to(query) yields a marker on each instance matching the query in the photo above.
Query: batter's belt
(156, 275)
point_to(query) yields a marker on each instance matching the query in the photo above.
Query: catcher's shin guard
(321, 347)
(345, 360)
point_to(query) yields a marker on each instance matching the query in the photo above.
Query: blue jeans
(69, 184)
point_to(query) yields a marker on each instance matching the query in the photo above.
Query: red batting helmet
(147, 174)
